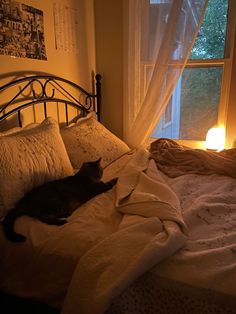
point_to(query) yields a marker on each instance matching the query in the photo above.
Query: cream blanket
(176, 160)
(152, 229)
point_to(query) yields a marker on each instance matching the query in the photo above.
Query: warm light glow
(215, 139)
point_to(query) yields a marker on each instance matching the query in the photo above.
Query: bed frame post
(99, 95)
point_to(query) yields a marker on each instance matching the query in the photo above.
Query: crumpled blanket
(175, 160)
(151, 230)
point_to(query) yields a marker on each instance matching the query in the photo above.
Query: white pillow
(18, 129)
(30, 158)
(11, 131)
(88, 139)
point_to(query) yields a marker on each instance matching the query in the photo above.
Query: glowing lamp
(215, 139)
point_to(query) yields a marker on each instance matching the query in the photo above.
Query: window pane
(194, 105)
(200, 97)
(210, 42)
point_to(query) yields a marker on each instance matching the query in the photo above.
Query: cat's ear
(99, 159)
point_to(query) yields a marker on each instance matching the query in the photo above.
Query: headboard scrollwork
(45, 89)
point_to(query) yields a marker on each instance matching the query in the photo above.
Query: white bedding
(208, 259)
(42, 268)
(151, 230)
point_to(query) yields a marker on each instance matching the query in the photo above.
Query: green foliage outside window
(210, 42)
(200, 89)
(201, 86)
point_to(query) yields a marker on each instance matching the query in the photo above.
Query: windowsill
(188, 143)
(192, 144)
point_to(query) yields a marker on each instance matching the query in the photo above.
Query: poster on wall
(21, 31)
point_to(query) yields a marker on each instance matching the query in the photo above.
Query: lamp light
(215, 139)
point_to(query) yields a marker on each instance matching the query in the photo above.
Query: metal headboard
(46, 89)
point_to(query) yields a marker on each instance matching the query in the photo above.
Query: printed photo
(21, 31)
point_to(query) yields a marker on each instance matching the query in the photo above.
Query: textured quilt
(151, 229)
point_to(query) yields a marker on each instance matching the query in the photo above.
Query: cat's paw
(66, 215)
(17, 238)
(113, 181)
(61, 222)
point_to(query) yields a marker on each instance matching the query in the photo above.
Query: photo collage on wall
(21, 31)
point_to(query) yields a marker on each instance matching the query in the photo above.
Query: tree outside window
(197, 101)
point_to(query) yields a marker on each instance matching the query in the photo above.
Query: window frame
(226, 64)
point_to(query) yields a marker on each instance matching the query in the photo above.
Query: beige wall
(70, 65)
(109, 58)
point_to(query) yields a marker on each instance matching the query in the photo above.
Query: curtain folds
(160, 35)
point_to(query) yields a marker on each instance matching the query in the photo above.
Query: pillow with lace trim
(88, 139)
(30, 158)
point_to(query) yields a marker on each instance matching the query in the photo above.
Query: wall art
(21, 31)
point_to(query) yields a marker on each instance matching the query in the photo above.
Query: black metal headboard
(46, 89)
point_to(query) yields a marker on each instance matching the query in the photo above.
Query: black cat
(57, 199)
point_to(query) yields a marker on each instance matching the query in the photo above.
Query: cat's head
(92, 169)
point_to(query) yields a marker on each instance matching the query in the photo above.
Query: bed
(161, 241)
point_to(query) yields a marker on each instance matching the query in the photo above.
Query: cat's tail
(8, 226)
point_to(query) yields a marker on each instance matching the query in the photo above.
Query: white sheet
(151, 230)
(42, 267)
(208, 259)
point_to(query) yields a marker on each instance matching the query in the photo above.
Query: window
(199, 100)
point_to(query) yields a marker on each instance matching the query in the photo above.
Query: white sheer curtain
(160, 36)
